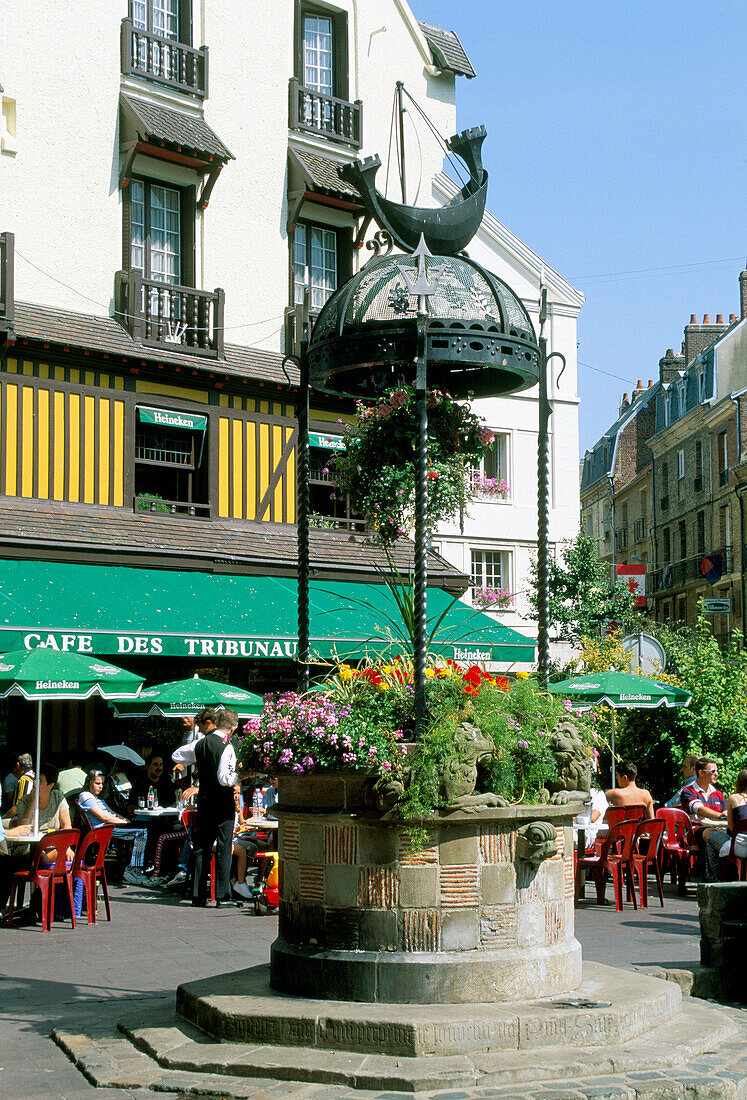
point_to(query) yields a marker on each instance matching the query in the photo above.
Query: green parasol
(41, 674)
(621, 691)
(185, 698)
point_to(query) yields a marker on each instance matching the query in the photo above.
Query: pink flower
(399, 397)
(387, 765)
(485, 436)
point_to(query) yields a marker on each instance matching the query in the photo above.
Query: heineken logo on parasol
(635, 698)
(57, 685)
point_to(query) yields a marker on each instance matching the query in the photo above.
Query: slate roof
(115, 536)
(448, 51)
(321, 172)
(188, 132)
(599, 460)
(103, 334)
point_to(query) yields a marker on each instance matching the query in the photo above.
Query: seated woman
(98, 814)
(54, 812)
(718, 843)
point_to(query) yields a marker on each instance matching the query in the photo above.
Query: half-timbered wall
(59, 442)
(256, 468)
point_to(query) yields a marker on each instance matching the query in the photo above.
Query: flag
(712, 568)
(634, 579)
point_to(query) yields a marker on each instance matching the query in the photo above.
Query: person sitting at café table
(24, 772)
(99, 814)
(718, 841)
(689, 772)
(627, 792)
(9, 860)
(701, 799)
(152, 775)
(54, 812)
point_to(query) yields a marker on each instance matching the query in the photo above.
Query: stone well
(479, 914)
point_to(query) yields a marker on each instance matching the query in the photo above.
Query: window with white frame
(315, 264)
(491, 479)
(681, 475)
(318, 53)
(160, 18)
(701, 385)
(156, 239)
(491, 580)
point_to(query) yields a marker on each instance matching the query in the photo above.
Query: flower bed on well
(360, 718)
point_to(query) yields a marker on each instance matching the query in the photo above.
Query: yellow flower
(388, 670)
(346, 673)
(522, 675)
(382, 686)
(430, 672)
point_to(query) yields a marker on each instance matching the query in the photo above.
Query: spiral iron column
(543, 509)
(302, 518)
(420, 581)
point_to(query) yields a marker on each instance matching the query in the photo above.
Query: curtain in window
(317, 53)
(314, 264)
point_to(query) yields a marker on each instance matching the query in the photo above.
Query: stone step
(605, 1009)
(716, 1069)
(699, 1028)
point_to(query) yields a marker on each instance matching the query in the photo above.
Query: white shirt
(227, 768)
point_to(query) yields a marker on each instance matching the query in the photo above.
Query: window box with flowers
(492, 599)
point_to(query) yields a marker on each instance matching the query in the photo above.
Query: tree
(581, 594)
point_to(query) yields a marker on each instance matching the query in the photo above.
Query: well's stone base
(427, 978)
(613, 1007)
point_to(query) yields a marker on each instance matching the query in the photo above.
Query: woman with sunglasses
(98, 813)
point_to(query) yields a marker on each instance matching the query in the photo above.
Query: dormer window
(701, 386)
(667, 409)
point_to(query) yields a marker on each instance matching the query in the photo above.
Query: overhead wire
(655, 270)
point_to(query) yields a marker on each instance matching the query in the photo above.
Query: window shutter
(188, 214)
(344, 255)
(126, 229)
(340, 60)
(185, 22)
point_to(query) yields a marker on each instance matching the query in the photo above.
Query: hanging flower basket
(377, 468)
(495, 488)
(492, 599)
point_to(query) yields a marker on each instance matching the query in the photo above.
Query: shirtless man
(627, 793)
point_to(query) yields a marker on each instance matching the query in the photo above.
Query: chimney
(624, 404)
(650, 383)
(670, 365)
(743, 292)
(732, 318)
(699, 337)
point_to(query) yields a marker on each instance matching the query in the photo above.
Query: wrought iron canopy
(479, 337)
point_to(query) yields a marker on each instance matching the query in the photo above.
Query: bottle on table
(151, 799)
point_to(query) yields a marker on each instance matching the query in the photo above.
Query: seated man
(627, 792)
(24, 770)
(152, 775)
(9, 860)
(701, 799)
(689, 772)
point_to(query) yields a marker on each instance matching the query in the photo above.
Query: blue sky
(617, 144)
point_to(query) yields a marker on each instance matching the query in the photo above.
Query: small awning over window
(448, 51)
(182, 132)
(121, 610)
(172, 418)
(320, 174)
(328, 442)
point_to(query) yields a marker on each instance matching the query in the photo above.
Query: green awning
(172, 418)
(329, 442)
(121, 610)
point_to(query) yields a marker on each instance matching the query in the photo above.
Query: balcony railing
(7, 293)
(146, 502)
(163, 315)
(336, 523)
(678, 573)
(164, 60)
(324, 114)
(639, 530)
(621, 538)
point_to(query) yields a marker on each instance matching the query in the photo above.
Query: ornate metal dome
(480, 339)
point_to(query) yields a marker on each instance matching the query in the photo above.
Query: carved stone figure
(459, 784)
(536, 842)
(574, 767)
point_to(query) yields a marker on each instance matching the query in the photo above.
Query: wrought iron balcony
(679, 573)
(164, 315)
(164, 60)
(326, 115)
(621, 538)
(639, 530)
(7, 294)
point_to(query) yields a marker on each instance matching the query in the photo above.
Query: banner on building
(712, 568)
(634, 579)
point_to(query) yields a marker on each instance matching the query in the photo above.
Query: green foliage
(581, 592)
(377, 468)
(715, 723)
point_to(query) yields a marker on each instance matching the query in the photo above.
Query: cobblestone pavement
(55, 980)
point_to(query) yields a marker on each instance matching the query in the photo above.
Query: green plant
(377, 469)
(151, 502)
(581, 593)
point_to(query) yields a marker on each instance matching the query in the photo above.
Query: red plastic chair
(615, 859)
(615, 814)
(740, 862)
(189, 820)
(46, 876)
(89, 872)
(648, 857)
(679, 848)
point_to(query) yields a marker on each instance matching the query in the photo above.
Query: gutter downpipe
(741, 489)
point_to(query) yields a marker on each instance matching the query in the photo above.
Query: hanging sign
(634, 579)
(172, 418)
(329, 442)
(717, 607)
